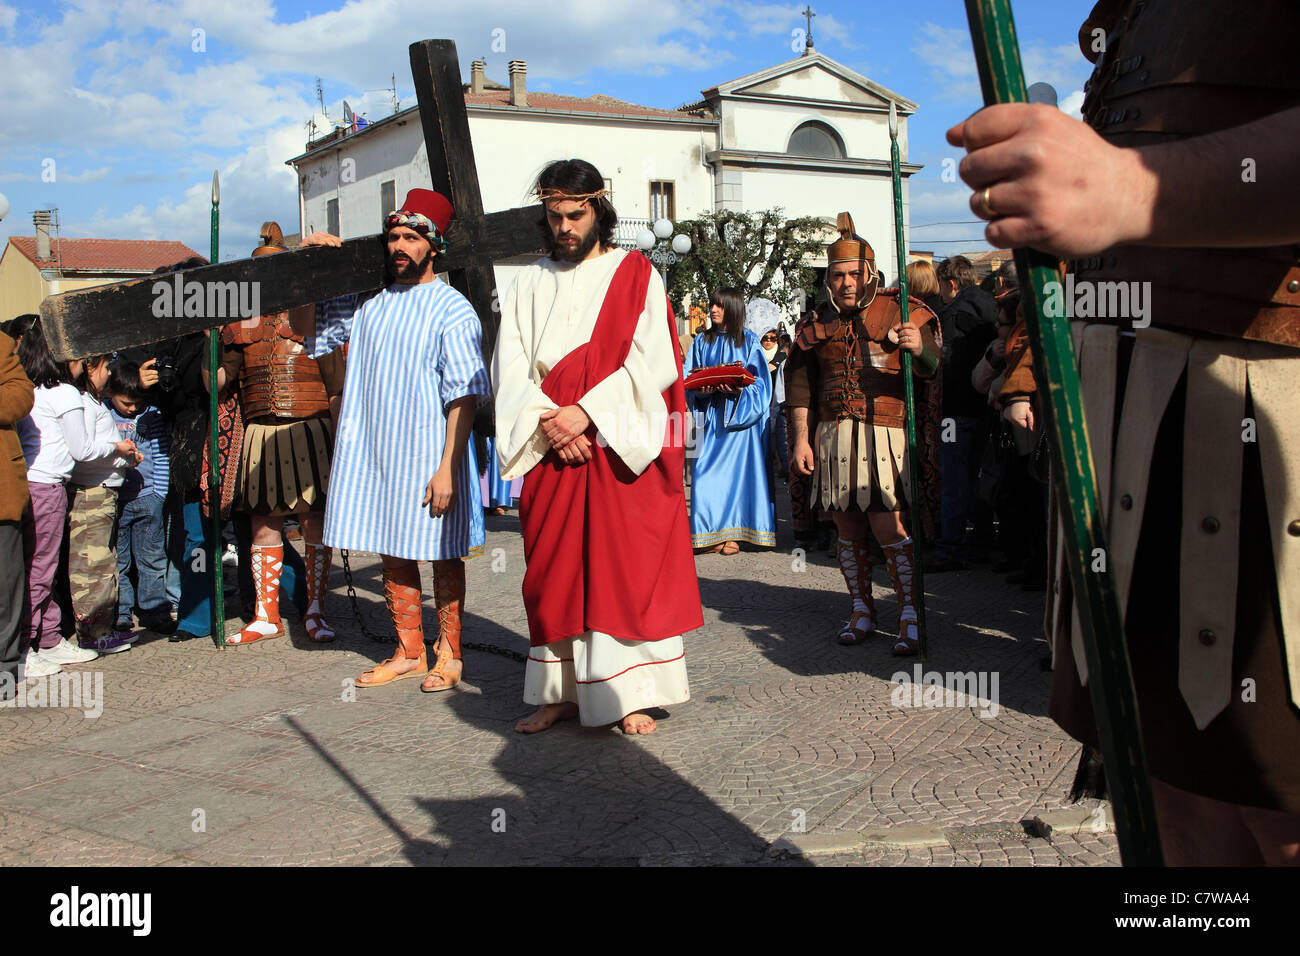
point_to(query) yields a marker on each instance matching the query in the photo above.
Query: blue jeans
(140, 537)
(195, 614)
(958, 487)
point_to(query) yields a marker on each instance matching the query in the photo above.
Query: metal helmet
(851, 247)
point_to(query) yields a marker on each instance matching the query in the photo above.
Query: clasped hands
(565, 429)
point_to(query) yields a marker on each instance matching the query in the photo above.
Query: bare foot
(638, 722)
(546, 715)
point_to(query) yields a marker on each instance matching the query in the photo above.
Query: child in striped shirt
(140, 504)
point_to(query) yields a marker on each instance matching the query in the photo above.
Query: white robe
(550, 310)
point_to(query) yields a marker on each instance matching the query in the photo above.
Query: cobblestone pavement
(791, 751)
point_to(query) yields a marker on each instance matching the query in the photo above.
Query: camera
(165, 366)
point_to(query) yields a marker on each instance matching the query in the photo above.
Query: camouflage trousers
(92, 558)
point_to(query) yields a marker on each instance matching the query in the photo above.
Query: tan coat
(16, 398)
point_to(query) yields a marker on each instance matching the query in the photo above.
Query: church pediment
(813, 79)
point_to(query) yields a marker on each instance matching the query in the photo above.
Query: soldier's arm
(1058, 186)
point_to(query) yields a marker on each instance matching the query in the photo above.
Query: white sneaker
(33, 665)
(65, 652)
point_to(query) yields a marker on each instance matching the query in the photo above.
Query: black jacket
(969, 322)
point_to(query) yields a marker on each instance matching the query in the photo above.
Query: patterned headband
(549, 193)
(420, 223)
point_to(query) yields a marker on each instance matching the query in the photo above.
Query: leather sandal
(441, 663)
(382, 674)
(907, 646)
(318, 631)
(849, 633)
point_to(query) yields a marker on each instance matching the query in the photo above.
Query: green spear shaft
(1074, 486)
(918, 532)
(214, 472)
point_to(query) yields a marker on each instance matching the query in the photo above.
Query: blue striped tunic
(414, 349)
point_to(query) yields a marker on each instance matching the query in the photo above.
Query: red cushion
(731, 375)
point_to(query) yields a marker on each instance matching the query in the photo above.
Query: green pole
(214, 471)
(1074, 485)
(918, 534)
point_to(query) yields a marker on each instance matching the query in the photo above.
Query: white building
(810, 136)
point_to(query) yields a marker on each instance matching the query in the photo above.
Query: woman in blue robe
(731, 497)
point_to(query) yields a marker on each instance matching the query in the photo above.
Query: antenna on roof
(320, 98)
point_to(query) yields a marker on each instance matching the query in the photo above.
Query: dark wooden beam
(435, 70)
(106, 318)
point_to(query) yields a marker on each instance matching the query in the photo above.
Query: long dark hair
(577, 176)
(83, 381)
(37, 360)
(733, 315)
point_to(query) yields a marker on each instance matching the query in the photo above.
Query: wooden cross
(105, 318)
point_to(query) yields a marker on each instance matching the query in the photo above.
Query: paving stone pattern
(791, 751)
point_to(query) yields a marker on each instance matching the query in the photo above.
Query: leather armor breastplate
(861, 370)
(278, 379)
(1173, 70)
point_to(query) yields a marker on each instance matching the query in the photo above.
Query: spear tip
(893, 120)
(216, 189)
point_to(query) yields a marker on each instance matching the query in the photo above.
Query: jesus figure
(589, 409)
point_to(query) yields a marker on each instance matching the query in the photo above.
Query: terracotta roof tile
(553, 101)
(122, 255)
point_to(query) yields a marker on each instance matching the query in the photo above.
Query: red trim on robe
(608, 550)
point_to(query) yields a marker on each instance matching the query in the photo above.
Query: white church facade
(809, 136)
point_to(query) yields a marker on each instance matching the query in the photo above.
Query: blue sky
(120, 110)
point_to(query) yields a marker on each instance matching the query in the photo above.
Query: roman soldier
(844, 386)
(285, 462)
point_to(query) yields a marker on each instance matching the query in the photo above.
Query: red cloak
(608, 550)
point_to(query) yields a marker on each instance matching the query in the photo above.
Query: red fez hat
(432, 205)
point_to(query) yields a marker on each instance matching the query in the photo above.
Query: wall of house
(509, 150)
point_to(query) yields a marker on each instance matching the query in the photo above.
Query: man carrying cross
(588, 381)
(401, 484)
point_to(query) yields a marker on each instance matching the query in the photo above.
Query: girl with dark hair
(54, 437)
(93, 488)
(731, 497)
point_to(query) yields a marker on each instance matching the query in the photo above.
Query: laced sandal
(907, 645)
(382, 673)
(855, 564)
(318, 631)
(850, 635)
(318, 572)
(899, 558)
(267, 563)
(440, 669)
(449, 600)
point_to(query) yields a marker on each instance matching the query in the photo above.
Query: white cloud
(8, 17)
(87, 176)
(948, 51)
(1073, 104)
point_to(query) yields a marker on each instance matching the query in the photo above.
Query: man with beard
(844, 384)
(414, 371)
(589, 409)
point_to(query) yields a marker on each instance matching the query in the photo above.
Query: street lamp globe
(663, 228)
(681, 244)
(645, 240)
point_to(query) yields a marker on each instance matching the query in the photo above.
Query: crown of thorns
(549, 193)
